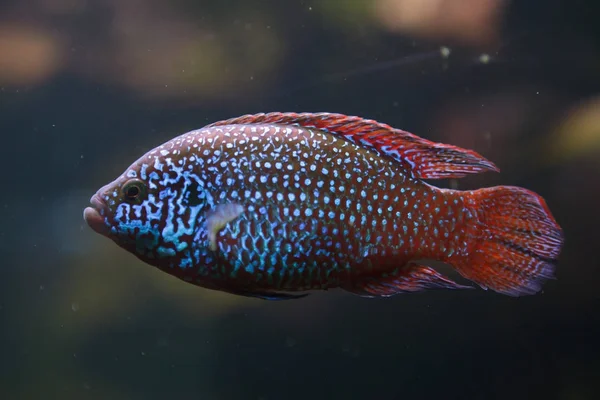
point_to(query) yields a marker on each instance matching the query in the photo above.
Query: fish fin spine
(422, 158)
(515, 244)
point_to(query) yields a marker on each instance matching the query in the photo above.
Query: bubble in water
(445, 51)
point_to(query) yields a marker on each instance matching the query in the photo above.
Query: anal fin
(409, 278)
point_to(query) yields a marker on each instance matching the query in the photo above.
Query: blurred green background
(87, 86)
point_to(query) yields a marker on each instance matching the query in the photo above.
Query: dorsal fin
(423, 158)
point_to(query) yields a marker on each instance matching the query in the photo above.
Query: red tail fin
(517, 241)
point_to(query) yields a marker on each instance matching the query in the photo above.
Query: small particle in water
(75, 306)
(484, 58)
(353, 351)
(143, 353)
(445, 51)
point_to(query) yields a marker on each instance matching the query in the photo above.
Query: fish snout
(95, 215)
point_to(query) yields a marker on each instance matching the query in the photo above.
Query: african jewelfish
(269, 205)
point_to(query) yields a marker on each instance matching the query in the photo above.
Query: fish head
(152, 210)
(120, 211)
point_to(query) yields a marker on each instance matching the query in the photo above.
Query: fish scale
(265, 204)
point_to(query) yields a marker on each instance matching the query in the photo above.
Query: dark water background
(88, 86)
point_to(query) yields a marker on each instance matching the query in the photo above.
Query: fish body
(267, 205)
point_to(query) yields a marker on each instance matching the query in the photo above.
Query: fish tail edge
(515, 244)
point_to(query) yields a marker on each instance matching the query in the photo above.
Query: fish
(277, 205)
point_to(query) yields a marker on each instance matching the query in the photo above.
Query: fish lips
(94, 216)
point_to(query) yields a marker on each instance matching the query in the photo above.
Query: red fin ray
(422, 158)
(410, 278)
(516, 244)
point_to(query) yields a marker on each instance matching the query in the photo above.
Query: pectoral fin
(218, 218)
(409, 278)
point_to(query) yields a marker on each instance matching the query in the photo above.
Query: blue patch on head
(186, 262)
(165, 251)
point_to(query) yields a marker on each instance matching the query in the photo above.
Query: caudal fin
(516, 243)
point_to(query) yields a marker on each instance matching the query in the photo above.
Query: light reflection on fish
(269, 205)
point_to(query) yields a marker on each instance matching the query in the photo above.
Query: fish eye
(134, 189)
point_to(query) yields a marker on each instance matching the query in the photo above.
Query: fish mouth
(94, 215)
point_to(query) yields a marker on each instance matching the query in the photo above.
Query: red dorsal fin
(423, 158)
